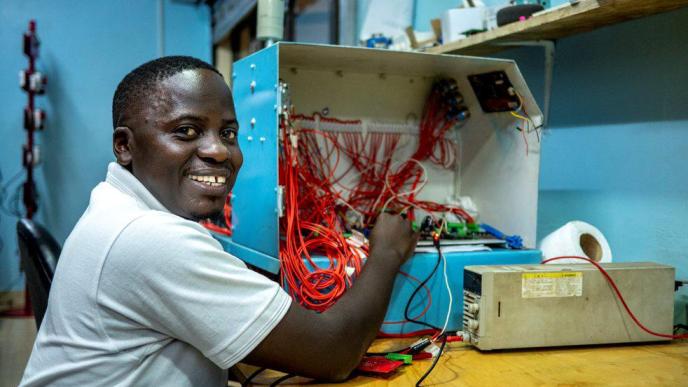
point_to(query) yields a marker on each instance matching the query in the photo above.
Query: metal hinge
(280, 200)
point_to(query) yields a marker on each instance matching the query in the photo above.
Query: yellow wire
(519, 116)
(526, 120)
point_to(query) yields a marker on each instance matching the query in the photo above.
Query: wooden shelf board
(585, 16)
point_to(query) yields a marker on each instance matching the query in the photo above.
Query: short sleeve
(169, 275)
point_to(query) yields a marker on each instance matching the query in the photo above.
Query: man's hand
(393, 236)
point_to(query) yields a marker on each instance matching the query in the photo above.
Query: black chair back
(39, 253)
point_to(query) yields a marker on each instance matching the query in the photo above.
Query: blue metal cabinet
(497, 170)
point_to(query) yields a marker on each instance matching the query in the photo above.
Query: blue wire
(513, 241)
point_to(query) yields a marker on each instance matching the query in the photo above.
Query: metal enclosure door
(255, 201)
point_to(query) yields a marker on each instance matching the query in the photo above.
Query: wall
(86, 48)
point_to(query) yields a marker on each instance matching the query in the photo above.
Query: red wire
(453, 339)
(227, 215)
(318, 204)
(215, 228)
(317, 229)
(421, 332)
(618, 294)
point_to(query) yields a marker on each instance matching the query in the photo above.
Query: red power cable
(618, 294)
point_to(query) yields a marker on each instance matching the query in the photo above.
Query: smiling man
(143, 295)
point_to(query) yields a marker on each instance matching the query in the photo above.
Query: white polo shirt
(144, 297)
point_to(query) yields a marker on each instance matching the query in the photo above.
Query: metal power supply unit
(497, 164)
(522, 306)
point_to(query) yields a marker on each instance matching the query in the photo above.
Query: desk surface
(462, 365)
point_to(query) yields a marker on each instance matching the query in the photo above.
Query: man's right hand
(393, 236)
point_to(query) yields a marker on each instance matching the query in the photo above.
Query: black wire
(434, 362)
(282, 379)
(408, 306)
(253, 375)
(420, 286)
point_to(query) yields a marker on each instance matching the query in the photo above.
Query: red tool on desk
(378, 365)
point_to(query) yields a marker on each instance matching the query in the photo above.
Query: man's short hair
(142, 81)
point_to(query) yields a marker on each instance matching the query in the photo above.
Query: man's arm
(329, 345)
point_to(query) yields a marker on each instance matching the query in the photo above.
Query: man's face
(184, 146)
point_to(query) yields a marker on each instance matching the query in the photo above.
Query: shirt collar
(123, 180)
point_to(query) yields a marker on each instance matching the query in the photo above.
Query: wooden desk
(462, 365)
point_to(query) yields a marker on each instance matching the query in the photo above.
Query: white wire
(409, 128)
(446, 282)
(408, 193)
(358, 213)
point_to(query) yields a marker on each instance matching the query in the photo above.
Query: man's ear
(122, 143)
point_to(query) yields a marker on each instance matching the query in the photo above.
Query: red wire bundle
(432, 143)
(311, 225)
(227, 215)
(319, 207)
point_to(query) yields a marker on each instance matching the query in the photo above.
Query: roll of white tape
(579, 239)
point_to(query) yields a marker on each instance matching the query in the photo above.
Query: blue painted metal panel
(250, 256)
(254, 205)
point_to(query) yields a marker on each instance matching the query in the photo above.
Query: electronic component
(446, 230)
(521, 306)
(494, 91)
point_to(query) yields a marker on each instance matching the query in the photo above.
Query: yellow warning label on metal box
(559, 284)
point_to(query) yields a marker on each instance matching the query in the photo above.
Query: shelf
(558, 23)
